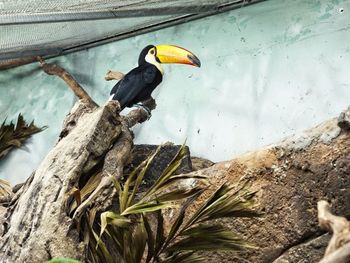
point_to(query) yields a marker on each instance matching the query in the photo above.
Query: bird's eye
(152, 51)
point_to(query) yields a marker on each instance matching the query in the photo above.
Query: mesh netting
(54, 27)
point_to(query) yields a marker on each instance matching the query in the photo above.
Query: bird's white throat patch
(152, 60)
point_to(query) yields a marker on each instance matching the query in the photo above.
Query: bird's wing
(149, 74)
(132, 84)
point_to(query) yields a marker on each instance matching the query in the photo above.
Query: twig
(341, 233)
(114, 75)
(11, 63)
(53, 69)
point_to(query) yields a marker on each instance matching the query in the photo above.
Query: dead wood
(338, 249)
(38, 225)
(114, 75)
(53, 69)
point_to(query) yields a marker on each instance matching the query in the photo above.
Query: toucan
(138, 84)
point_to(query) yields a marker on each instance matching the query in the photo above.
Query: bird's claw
(147, 110)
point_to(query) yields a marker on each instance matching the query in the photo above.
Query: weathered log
(114, 75)
(38, 225)
(338, 249)
(53, 69)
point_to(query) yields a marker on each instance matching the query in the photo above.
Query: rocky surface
(307, 252)
(165, 155)
(289, 177)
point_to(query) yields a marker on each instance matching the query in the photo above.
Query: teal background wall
(269, 70)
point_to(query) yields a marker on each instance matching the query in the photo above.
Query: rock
(289, 177)
(200, 163)
(161, 160)
(310, 251)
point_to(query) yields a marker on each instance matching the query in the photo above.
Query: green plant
(135, 232)
(14, 136)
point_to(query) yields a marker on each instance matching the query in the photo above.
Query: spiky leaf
(112, 218)
(187, 257)
(207, 238)
(14, 136)
(146, 207)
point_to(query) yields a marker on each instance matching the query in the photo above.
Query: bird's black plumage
(138, 84)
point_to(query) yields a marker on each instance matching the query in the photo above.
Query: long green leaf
(208, 238)
(145, 165)
(150, 239)
(160, 238)
(187, 257)
(112, 218)
(168, 172)
(146, 207)
(99, 246)
(139, 241)
(179, 220)
(216, 197)
(178, 194)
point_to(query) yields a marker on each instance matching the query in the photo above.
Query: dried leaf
(14, 136)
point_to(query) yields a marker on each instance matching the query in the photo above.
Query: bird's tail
(111, 97)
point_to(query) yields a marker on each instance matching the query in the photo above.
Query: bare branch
(339, 226)
(114, 75)
(52, 69)
(11, 63)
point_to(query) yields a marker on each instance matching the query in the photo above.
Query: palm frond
(187, 257)
(15, 135)
(208, 238)
(146, 207)
(137, 231)
(224, 203)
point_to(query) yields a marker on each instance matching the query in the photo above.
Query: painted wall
(269, 70)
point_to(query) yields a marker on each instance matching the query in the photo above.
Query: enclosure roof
(30, 28)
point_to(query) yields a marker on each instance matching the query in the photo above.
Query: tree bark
(338, 249)
(37, 224)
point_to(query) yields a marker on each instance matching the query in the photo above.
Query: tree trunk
(37, 225)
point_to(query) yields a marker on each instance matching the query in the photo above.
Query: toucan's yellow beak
(175, 54)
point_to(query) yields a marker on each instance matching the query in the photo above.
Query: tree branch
(340, 227)
(114, 75)
(53, 69)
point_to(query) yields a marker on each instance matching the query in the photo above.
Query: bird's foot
(147, 110)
